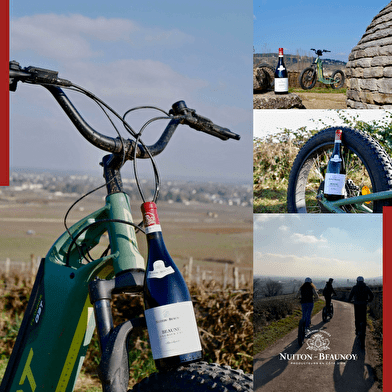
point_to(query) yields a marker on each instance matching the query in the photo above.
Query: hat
(308, 280)
(360, 279)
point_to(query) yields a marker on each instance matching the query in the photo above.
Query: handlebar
(320, 52)
(179, 114)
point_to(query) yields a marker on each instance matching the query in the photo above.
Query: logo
(318, 342)
(149, 218)
(160, 270)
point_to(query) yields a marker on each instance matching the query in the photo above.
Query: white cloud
(67, 37)
(307, 239)
(270, 264)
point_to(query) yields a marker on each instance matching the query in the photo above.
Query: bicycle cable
(137, 139)
(98, 222)
(101, 104)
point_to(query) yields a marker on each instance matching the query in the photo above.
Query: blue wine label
(160, 270)
(172, 330)
(334, 184)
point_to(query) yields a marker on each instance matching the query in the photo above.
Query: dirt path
(336, 365)
(323, 100)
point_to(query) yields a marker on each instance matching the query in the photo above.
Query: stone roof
(369, 69)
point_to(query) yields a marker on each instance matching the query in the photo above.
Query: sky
(298, 26)
(318, 245)
(131, 54)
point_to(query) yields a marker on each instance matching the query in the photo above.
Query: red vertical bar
(387, 295)
(4, 98)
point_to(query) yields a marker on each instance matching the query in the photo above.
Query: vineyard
(225, 320)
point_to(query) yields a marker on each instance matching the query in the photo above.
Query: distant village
(50, 185)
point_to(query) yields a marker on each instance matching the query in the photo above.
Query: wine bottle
(169, 313)
(281, 82)
(335, 177)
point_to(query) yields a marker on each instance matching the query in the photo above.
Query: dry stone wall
(369, 69)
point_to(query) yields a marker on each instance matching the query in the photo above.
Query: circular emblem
(318, 343)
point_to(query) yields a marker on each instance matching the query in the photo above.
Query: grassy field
(275, 330)
(320, 90)
(209, 234)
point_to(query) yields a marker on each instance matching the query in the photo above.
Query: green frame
(334, 206)
(320, 72)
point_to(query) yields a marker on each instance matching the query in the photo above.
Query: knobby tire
(308, 78)
(307, 173)
(197, 377)
(339, 76)
(301, 332)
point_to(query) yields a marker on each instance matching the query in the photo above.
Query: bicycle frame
(334, 206)
(59, 323)
(318, 64)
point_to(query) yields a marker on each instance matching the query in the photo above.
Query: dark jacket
(328, 290)
(307, 292)
(361, 294)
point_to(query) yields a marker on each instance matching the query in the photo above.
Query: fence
(226, 276)
(232, 276)
(20, 267)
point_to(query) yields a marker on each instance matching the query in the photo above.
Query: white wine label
(334, 184)
(281, 85)
(336, 158)
(172, 330)
(160, 270)
(153, 229)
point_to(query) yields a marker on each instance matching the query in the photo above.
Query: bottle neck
(338, 142)
(336, 149)
(150, 218)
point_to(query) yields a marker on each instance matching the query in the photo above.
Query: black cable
(74, 239)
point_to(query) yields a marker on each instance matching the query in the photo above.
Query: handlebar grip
(34, 75)
(205, 125)
(201, 123)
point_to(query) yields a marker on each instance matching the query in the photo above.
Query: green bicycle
(72, 287)
(310, 75)
(368, 182)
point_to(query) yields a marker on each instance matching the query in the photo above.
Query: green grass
(278, 329)
(271, 200)
(321, 90)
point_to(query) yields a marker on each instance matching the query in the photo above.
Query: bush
(224, 319)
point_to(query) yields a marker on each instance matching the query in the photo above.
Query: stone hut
(369, 69)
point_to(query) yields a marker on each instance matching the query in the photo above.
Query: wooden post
(225, 272)
(190, 265)
(235, 278)
(198, 275)
(7, 267)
